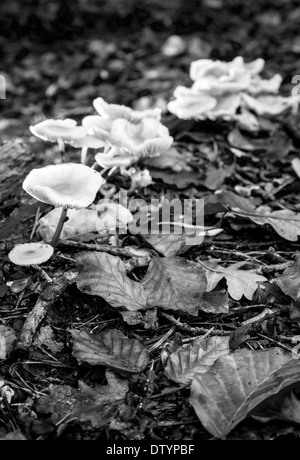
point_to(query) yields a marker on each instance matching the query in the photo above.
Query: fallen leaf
(285, 222)
(94, 405)
(175, 284)
(239, 336)
(239, 282)
(289, 281)
(284, 406)
(171, 159)
(237, 383)
(167, 245)
(7, 340)
(214, 177)
(180, 180)
(45, 338)
(215, 302)
(105, 275)
(110, 348)
(199, 356)
(147, 318)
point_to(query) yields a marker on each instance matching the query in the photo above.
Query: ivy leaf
(239, 282)
(237, 383)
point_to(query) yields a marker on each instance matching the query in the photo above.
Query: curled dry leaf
(112, 349)
(199, 356)
(237, 383)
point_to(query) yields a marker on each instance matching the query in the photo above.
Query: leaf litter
(218, 320)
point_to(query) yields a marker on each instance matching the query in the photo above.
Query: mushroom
(68, 185)
(32, 254)
(114, 111)
(116, 157)
(67, 132)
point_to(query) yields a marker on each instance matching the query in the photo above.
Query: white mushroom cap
(66, 131)
(69, 185)
(114, 111)
(30, 253)
(52, 130)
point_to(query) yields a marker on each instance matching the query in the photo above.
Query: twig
(274, 268)
(39, 311)
(128, 251)
(266, 314)
(194, 330)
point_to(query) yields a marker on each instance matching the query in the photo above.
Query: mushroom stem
(61, 148)
(43, 273)
(84, 151)
(59, 227)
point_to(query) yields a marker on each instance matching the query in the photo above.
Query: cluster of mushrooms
(123, 137)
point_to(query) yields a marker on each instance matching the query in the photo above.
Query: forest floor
(56, 61)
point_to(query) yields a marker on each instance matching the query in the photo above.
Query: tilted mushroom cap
(69, 185)
(30, 253)
(114, 111)
(52, 130)
(66, 131)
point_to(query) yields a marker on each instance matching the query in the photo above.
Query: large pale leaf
(237, 383)
(175, 284)
(239, 282)
(105, 275)
(110, 348)
(289, 281)
(199, 356)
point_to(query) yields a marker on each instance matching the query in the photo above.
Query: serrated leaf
(237, 383)
(289, 281)
(197, 357)
(175, 284)
(105, 275)
(110, 348)
(239, 282)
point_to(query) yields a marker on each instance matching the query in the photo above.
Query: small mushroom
(32, 254)
(68, 185)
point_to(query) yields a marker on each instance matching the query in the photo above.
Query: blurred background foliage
(55, 51)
